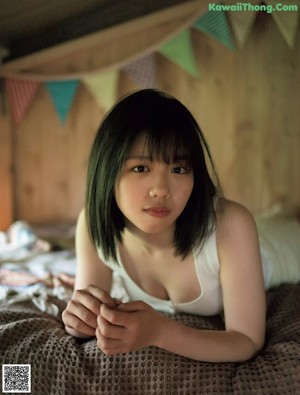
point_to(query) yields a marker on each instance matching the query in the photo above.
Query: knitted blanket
(62, 365)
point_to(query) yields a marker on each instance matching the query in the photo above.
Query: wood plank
(6, 165)
(36, 25)
(108, 48)
(51, 159)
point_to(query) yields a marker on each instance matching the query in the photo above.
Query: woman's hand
(128, 327)
(80, 315)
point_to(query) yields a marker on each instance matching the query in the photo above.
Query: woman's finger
(101, 295)
(79, 310)
(108, 330)
(109, 346)
(131, 307)
(114, 316)
(72, 322)
(92, 298)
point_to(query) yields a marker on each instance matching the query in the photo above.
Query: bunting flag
(242, 21)
(180, 51)
(226, 20)
(286, 18)
(143, 71)
(62, 94)
(102, 87)
(20, 94)
(216, 25)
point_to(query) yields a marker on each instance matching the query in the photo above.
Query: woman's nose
(159, 188)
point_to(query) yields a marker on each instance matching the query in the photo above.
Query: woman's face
(152, 194)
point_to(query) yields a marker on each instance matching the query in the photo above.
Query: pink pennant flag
(143, 71)
(20, 94)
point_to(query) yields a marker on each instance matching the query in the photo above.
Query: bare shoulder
(234, 220)
(231, 214)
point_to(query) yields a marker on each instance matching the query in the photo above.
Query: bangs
(167, 145)
(167, 127)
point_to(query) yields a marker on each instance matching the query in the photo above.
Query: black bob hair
(169, 129)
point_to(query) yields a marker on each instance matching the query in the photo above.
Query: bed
(36, 283)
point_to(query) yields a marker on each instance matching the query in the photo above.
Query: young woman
(156, 229)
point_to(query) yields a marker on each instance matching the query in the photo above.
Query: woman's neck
(148, 243)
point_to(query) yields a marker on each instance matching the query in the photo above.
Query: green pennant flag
(180, 51)
(62, 94)
(215, 24)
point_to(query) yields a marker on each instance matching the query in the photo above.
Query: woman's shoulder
(229, 208)
(233, 218)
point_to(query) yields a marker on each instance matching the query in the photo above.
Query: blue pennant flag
(62, 94)
(217, 26)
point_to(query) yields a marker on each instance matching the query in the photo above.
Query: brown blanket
(61, 365)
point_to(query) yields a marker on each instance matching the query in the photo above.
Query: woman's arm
(242, 280)
(90, 269)
(135, 325)
(92, 286)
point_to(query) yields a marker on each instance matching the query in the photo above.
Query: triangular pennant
(102, 87)
(217, 26)
(62, 94)
(143, 71)
(286, 17)
(20, 94)
(180, 51)
(242, 20)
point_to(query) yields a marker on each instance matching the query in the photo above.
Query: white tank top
(209, 302)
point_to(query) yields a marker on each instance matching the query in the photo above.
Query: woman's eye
(140, 169)
(180, 170)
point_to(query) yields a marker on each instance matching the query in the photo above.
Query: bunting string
(228, 22)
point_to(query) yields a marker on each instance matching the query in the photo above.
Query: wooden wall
(246, 101)
(6, 162)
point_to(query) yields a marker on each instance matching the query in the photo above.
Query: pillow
(279, 237)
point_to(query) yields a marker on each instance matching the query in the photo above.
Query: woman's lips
(157, 211)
